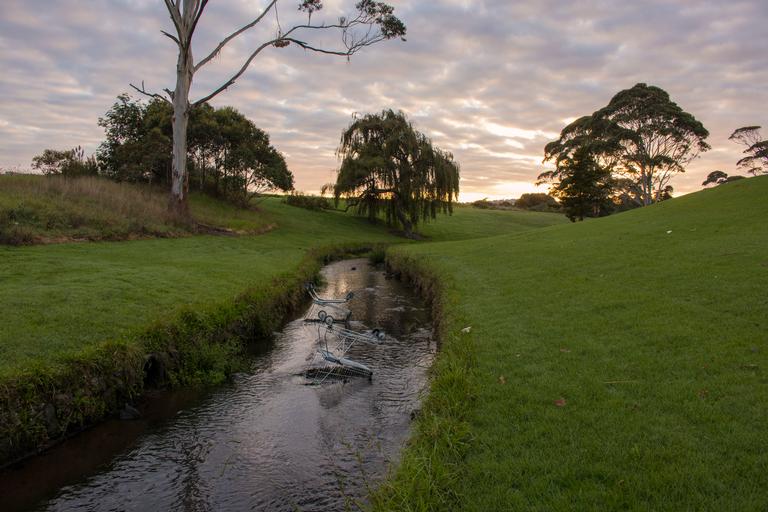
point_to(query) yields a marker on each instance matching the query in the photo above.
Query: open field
(57, 299)
(619, 363)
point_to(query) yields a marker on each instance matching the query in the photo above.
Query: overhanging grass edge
(431, 464)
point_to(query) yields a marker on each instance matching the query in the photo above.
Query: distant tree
(582, 186)
(716, 177)
(640, 135)
(719, 177)
(241, 157)
(756, 161)
(372, 22)
(666, 193)
(537, 201)
(389, 167)
(69, 163)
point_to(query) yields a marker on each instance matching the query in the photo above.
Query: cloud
(490, 81)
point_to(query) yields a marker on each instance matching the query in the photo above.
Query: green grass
(57, 299)
(468, 222)
(621, 363)
(618, 363)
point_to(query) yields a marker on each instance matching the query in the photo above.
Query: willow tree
(372, 22)
(390, 169)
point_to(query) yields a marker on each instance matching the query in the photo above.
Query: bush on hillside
(308, 202)
(500, 204)
(538, 202)
(69, 163)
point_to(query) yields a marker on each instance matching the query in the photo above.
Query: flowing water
(268, 441)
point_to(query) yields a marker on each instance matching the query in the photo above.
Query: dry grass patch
(38, 209)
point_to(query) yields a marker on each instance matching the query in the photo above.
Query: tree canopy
(229, 156)
(719, 177)
(388, 168)
(70, 162)
(582, 185)
(641, 137)
(755, 148)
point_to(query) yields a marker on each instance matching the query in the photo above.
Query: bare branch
(233, 35)
(172, 37)
(173, 10)
(346, 53)
(144, 91)
(234, 77)
(199, 13)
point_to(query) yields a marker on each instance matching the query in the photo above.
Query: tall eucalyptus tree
(657, 137)
(371, 23)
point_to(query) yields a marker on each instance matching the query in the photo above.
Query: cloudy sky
(490, 80)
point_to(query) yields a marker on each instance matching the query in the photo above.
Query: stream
(270, 440)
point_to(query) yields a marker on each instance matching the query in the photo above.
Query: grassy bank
(80, 323)
(620, 363)
(37, 209)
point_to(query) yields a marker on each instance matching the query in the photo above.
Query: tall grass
(44, 209)
(123, 199)
(35, 209)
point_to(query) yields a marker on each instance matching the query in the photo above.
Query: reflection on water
(270, 442)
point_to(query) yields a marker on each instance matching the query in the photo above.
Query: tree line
(228, 155)
(388, 169)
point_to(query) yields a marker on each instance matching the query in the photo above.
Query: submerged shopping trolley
(335, 305)
(334, 343)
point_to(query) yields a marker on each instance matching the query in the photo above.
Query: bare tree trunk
(645, 178)
(179, 182)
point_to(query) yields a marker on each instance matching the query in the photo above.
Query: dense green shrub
(537, 202)
(309, 202)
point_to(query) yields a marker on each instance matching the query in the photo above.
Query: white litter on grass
(466, 329)
(670, 231)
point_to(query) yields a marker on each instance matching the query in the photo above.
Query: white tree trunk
(181, 107)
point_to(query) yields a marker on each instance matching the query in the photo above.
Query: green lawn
(468, 222)
(622, 363)
(56, 299)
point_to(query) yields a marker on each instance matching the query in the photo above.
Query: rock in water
(129, 413)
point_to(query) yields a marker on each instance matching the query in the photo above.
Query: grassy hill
(36, 209)
(619, 363)
(59, 299)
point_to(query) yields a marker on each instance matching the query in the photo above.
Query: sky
(490, 81)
